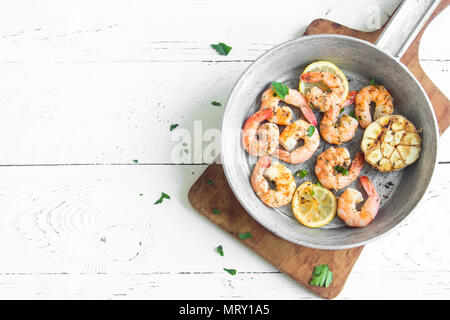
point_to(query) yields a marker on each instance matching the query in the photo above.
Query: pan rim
(225, 156)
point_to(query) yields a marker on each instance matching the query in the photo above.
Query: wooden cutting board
(211, 190)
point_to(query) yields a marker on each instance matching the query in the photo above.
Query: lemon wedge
(323, 66)
(313, 205)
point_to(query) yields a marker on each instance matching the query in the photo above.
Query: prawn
(339, 131)
(283, 115)
(324, 100)
(289, 137)
(373, 94)
(330, 168)
(347, 201)
(278, 173)
(268, 134)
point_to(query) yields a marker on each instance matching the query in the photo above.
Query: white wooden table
(87, 87)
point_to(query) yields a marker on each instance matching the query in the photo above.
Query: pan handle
(404, 26)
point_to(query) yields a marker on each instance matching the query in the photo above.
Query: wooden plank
(117, 112)
(73, 231)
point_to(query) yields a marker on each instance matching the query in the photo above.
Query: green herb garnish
(173, 126)
(342, 110)
(318, 183)
(311, 130)
(163, 196)
(301, 173)
(353, 114)
(135, 161)
(219, 250)
(215, 103)
(342, 170)
(246, 235)
(141, 194)
(280, 89)
(216, 211)
(372, 82)
(322, 276)
(230, 271)
(221, 48)
(209, 182)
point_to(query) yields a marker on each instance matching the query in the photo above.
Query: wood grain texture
(294, 260)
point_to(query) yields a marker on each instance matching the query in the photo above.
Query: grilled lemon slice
(313, 205)
(391, 143)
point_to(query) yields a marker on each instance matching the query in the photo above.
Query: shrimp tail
(351, 97)
(357, 163)
(368, 186)
(309, 115)
(282, 155)
(259, 116)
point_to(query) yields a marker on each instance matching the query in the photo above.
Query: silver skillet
(360, 61)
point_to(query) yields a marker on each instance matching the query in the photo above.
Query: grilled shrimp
(338, 132)
(330, 168)
(268, 134)
(289, 137)
(378, 95)
(347, 201)
(278, 173)
(283, 115)
(324, 100)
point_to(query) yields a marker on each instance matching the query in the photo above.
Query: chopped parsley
(219, 250)
(173, 126)
(135, 161)
(311, 130)
(280, 89)
(342, 170)
(353, 115)
(322, 276)
(372, 82)
(246, 235)
(216, 211)
(230, 271)
(301, 173)
(215, 103)
(209, 182)
(221, 48)
(163, 196)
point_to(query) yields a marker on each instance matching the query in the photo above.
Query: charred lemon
(391, 143)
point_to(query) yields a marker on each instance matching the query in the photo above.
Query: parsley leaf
(173, 126)
(135, 161)
(221, 48)
(318, 183)
(311, 130)
(216, 211)
(215, 103)
(322, 276)
(243, 236)
(230, 271)
(280, 89)
(342, 170)
(209, 182)
(163, 196)
(353, 115)
(219, 250)
(342, 110)
(141, 194)
(372, 82)
(301, 173)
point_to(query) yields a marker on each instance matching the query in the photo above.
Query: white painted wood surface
(88, 87)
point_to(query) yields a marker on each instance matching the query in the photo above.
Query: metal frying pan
(361, 61)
